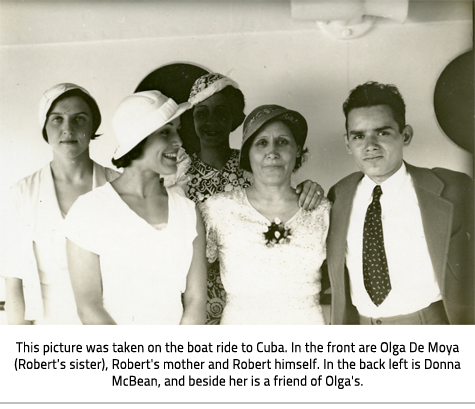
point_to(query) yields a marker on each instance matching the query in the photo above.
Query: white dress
(265, 283)
(33, 246)
(143, 269)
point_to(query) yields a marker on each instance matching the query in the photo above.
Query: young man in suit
(400, 245)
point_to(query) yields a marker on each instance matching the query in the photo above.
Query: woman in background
(136, 249)
(270, 249)
(218, 109)
(38, 289)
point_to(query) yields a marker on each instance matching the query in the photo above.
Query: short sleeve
(81, 224)
(327, 205)
(212, 251)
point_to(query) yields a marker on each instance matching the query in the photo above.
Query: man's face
(374, 139)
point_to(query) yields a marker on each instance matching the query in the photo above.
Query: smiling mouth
(170, 156)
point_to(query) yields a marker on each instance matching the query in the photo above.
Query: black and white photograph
(237, 163)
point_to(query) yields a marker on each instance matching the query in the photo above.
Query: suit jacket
(446, 203)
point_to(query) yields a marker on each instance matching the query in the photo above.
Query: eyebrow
(383, 128)
(62, 113)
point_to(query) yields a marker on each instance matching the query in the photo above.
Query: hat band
(154, 120)
(212, 89)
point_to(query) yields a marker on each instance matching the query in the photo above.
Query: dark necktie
(375, 264)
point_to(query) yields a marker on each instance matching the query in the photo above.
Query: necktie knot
(377, 192)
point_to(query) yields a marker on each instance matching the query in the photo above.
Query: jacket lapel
(436, 214)
(340, 218)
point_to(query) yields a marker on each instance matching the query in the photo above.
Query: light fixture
(348, 19)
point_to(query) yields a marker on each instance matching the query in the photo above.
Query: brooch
(277, 233)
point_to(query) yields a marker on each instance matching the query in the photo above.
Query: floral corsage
(277, 233)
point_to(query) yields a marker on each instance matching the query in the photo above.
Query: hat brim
(52, 94)
(212, 89)
(150, 128)
(302, 126)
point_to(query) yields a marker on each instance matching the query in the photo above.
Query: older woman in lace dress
(269, 248)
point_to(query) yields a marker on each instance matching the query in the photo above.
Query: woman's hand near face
(194, 298)
(85, 274)
(15, 302)
(310, 194)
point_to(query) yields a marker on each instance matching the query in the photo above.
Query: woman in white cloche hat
(136, 247)
(38, 289)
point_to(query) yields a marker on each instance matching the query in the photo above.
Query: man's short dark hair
(373, 93)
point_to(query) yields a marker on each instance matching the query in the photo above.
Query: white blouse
(143, 269)
(34, 246)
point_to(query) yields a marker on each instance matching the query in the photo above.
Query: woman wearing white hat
(38, 288)
(136, 247)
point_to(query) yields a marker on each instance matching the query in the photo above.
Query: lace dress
(265, 283)
(205, 181)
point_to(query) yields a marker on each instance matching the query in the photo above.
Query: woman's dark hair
(244, 161)
(125, 160)
(236, 99)
(373, 93)
(191, 141)
(96, 114)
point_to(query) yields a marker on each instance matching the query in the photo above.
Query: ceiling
(47, 22)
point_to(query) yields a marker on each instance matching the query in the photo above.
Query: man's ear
(345, 137)
(407, 133)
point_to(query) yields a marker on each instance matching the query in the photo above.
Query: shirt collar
(391, 184)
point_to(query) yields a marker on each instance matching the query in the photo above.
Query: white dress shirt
(412, 276)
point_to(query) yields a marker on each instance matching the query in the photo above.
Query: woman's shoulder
(220, 205)
(110, 174)
(323, 208)
(325, 205)
(237, 195)
(30, 181)
(25, 192)
(97, 197)
(178, 195)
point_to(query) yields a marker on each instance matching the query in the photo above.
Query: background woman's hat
(264, 113)
(141, 114)
(208, 85)
(50, 95)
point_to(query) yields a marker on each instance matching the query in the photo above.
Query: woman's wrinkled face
(273, 153)
(213, 120)
(161, 148)
(69, 127)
